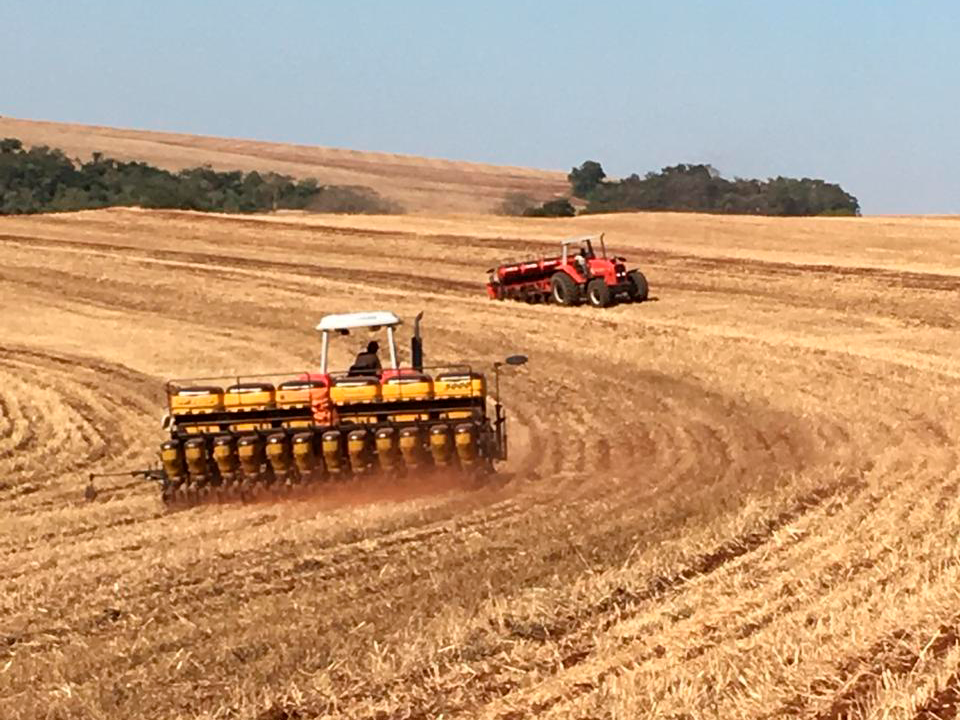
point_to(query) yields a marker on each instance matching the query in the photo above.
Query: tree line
(41, 179)
(691, 188)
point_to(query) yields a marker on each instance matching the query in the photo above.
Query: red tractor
(575, 275)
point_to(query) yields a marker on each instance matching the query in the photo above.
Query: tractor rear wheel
(564, 290)
(598, 293)
(638, 286)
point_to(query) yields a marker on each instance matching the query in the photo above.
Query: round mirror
(516, 360)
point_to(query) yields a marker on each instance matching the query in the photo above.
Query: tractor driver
(582, 262)
(367, 362)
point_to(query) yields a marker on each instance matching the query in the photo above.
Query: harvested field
(417, 184)
(738, 500)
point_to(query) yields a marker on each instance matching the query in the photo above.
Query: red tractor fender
(571, 268)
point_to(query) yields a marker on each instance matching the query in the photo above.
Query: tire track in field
(64, 413)
(600, 539)
(610, 537)
(940, 282)
(575, 635)
(200, 260)
(856, 676)
(622, 607)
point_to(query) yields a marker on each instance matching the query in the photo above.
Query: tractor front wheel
(564, 290)
(638, 286)
(598, 293)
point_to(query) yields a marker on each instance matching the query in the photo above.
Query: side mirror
(517, 360)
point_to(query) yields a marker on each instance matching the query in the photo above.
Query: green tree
(700, 188)
(552, 208)
(42, 179)
(10, 145)
(584, 179)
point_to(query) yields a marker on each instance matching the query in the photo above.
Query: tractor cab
(346, 324)
(582, 246)
(578, 254)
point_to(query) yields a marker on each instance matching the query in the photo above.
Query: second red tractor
(576, 275)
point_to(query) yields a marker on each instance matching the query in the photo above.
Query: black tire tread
(640, 288)
(598, 293)
(569, 292)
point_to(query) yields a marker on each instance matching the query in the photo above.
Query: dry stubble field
(739, 500)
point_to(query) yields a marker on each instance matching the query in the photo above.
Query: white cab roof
(347, 321)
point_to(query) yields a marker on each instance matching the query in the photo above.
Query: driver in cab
(582, 262)
(367, 362)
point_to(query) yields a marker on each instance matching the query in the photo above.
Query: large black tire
(598, 294)
(564, 290)
(639, 290)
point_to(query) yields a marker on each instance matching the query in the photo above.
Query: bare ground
(738, 500)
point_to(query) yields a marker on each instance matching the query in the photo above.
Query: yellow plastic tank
(459, 385)
(245, 397)
(350, 390)
(195, 400)
(406, 385)
(297, 393)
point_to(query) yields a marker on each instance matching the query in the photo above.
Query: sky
(864, 94)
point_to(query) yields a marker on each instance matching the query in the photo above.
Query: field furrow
(736, 500)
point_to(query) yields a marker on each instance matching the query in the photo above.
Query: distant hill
(419, 185)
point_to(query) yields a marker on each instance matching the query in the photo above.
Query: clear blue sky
(864, 93)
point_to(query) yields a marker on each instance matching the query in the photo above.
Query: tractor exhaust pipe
(416, 345)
